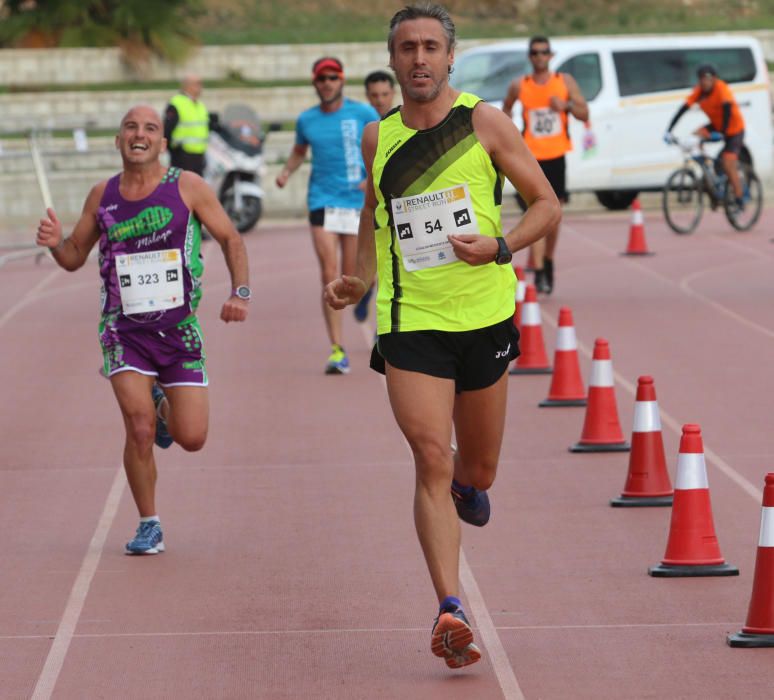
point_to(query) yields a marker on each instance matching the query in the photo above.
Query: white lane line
(28, 298)
(684, 283)
(498, 657)
(362, 630)
(676, 426)
(72, 612)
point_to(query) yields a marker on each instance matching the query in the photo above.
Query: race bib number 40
(544, 122)
(151, 281)
(423, 222)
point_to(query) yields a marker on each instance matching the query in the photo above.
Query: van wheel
(616, 199)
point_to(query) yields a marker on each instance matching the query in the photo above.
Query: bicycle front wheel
(682, 201)
(745, 217)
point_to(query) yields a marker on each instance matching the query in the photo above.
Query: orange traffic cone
(692, 548)
(759, 628)
(601, 427)
(566, 385)
(647, 483)
(533, 359)
(637, 244)
(521, 290)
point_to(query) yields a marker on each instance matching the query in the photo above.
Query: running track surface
(292, 568)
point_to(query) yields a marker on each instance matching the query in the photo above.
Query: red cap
(327, 64)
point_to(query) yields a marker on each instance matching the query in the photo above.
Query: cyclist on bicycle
(717, 101)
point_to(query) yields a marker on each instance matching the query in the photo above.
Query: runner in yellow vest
(445, 297)
(187, 127)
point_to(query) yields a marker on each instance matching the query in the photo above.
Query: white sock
(150, 518)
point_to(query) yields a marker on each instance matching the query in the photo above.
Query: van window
(585, 69)
(675, 69)
(488, 74)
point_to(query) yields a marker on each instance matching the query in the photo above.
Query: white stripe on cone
(766, 538)
(565, 338)
(530, 314)
(601, 373)
(691, 471)
(646, 417)
(637, 218)
(521, 290)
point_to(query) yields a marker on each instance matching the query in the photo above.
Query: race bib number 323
(423, 222)
(150, 281)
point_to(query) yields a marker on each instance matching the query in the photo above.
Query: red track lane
(292, 568)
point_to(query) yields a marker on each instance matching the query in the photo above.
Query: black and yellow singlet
(407, 162)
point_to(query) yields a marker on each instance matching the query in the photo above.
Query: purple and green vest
(161, 221)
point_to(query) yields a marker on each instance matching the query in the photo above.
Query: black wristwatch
(242, 292)
(504, 255)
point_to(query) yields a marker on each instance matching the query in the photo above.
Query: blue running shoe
(338, 362)
(472, 505)
(163, 438)
(361, 308)
(452, 639)
(148, 540)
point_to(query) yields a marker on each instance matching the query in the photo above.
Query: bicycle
(683, 196)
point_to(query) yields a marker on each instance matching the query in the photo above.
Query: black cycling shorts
(473, 359)
(317, 217)
(555, 170)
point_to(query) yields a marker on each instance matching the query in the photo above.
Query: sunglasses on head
(325, 78)
(539, 52)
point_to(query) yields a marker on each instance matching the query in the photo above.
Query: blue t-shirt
(337, 163)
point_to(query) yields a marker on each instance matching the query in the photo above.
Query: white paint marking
(66, 630)
(28, 298)
(710, 456)
(498, 657)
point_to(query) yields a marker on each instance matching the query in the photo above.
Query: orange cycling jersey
(545, 130)
(712, 105)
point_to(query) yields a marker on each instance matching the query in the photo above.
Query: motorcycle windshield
(242, 129)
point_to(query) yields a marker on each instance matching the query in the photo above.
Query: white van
(634, 86)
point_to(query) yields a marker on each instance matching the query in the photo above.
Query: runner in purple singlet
(147, 221)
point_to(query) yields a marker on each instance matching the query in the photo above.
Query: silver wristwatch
(242, 292)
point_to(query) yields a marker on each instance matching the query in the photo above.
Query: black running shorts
(473, 359)
(555, 170)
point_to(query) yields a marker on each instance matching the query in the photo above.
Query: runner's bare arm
(511, 96)
(575, 104)
(200, 198)
(349, 289)
(71, 252)
(297, 156)
(505, 145)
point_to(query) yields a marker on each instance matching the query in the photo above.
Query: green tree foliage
(139, 27)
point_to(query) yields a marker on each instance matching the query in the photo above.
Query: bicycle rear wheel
(745, 217)
(682, 201)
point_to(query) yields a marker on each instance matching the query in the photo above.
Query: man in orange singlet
(717, 101)
(546, 98)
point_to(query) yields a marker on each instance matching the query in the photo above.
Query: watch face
(243, 292)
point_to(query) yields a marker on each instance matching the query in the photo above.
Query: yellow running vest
(192, 131)
(407, 162)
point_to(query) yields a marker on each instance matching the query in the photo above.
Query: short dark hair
(423, 10)
(538, 39)
(379, 76)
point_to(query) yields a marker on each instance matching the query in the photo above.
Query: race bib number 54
(151, 281)
(423, 222)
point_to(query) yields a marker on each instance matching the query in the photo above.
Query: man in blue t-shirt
(333, 129)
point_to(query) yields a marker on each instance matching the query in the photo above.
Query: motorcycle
(234, 164)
